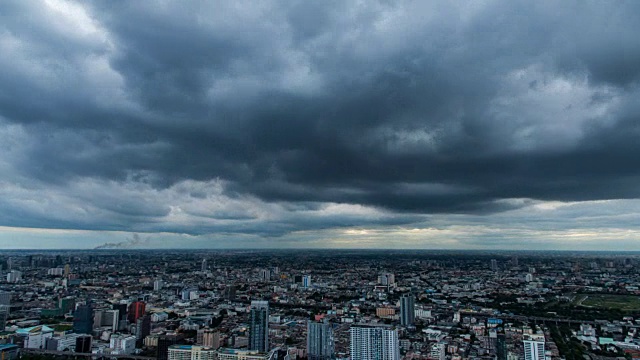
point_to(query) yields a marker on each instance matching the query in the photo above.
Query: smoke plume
(132, 242)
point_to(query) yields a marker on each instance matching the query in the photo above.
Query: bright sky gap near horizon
(492, 124)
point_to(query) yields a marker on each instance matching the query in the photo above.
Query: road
(87, 355)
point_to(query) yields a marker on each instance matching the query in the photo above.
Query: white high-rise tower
(374, 343)
(533, 347)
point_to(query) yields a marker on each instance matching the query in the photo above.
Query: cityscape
(319, 305)
(319, 180)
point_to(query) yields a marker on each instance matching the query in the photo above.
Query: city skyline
(439, 125)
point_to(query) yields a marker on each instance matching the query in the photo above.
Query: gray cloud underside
(278, 117)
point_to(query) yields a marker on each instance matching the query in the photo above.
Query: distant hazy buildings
(386, 279)
(259, 326)
(374, 343)
(14, 276)
(158, 285)
(230, 292)
(306, 281)
(265, 275)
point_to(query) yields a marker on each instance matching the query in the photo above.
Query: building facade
(259, 326)
(83, 319)
(122, 344)
(320, 342)
(237, 354)
(36, 337)
(407, 310)
(188, 352)
(374, 343)
(533, 347)
(136, 311)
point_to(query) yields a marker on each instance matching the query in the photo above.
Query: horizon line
(325, 249)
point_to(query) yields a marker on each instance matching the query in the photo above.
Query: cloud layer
(288, 120)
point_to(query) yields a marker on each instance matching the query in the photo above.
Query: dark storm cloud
(408, 107)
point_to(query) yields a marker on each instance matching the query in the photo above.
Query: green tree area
(31, 356)
(572, 349)
(63, 327)
(567, 311)
(568, 346)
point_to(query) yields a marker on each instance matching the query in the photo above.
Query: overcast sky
(341, 124)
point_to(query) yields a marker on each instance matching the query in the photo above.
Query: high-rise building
(14, 276)
(143, 328)
(320, 343)
(208, 338)
(306, 281)
(374, 343)
(204, 267)
(158, 285)
(494, 265)
(438, 351)
(501, 347)
(136, 311)
(533, 346)
(83, 319)
(4, 315)
(111, 318)
(259, 326)
(67, 304)
(97, 317)
(265, 275)
(122, 311)
(386, 279)
(5, 308)
(164, 342)
(188, 352)
(83, 344)
(122, 344)
(230, 292)
(5, 298)
(407, 310)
